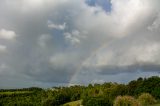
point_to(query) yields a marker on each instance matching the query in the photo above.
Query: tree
(97, 101)
(49, 102)
(146, 99)
(125, 101)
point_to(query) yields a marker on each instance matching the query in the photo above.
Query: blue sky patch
(105, 4)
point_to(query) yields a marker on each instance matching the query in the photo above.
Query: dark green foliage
(49, 102)
(150, 85)
(31, 99)
(96, 101)
(156, 92)
(23, 89)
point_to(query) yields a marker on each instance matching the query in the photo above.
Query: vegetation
(125, 101)
(146, 99)
(140, 92)
(156, 105)
(74, 103)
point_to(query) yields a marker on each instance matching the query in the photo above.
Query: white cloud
(156, 24)
(71, 38)
(57, 26)
(132, 55)
(7, 34)
(75, 37)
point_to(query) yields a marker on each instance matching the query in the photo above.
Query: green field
(74, 103)
(15, 92)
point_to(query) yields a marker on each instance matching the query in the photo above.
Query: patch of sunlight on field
(15, 92)
(74, 103)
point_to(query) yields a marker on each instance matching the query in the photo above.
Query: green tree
(125, 101)
(146, 99)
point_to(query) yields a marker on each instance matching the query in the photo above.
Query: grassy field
(15, 92)
(74, 103)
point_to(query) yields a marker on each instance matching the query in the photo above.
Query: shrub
(49, 102)
(146, 99)
(125, 101)
(96, 101)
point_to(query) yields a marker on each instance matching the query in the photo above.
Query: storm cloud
(49, 42)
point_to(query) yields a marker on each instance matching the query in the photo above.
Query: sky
(47, 43)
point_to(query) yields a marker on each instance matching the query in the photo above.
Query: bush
(146, 99)
(96, 101)
(125, 101)
(156, 92)
(49, 102)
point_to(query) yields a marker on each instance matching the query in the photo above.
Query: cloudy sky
(48, 43)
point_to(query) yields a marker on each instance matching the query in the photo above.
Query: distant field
(15, 92)
(74, 103)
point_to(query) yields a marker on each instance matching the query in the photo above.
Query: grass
(15, 92)
(156, 105)
(74, 103)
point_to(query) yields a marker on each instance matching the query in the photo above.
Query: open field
(15, 92)
(74, 103)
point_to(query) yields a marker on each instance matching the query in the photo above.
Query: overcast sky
(49, 43)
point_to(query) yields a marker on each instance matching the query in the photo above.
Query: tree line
(106, 94)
